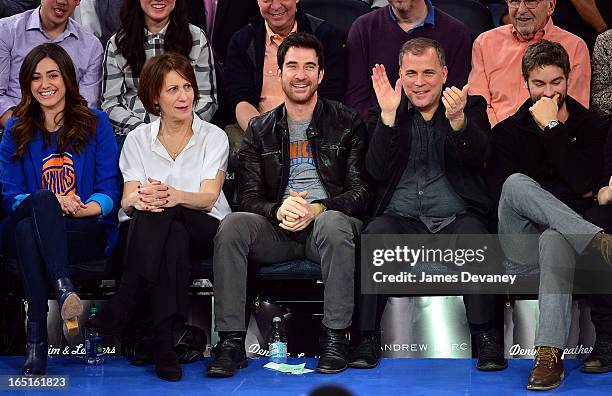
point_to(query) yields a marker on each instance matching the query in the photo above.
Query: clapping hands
(388, 97)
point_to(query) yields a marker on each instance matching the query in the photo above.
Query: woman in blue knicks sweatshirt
(60, 189)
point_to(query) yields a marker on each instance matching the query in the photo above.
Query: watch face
(552, 124)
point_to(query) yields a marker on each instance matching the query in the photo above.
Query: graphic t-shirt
(58, 173)
(303, 174)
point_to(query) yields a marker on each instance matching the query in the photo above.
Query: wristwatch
(551, 125)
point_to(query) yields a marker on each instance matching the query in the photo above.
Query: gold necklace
(174, 153)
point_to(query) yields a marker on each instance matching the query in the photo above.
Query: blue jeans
(44, 241)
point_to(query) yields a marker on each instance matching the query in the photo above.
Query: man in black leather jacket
(426, 154)
(302, 188)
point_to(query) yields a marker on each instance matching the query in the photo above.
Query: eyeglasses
(531, 4)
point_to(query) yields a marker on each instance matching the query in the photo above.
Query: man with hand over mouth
(545, 170)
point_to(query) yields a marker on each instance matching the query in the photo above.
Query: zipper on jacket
(316, 163)
(284, 167)
(271, 153)
(335, 147)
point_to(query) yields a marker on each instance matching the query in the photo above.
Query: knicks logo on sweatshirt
(302, 173)
(58, 174)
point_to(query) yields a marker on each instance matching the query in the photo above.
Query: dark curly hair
(131, 36)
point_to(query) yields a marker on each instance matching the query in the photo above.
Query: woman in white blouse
(173, 170)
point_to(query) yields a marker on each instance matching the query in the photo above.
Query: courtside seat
(81, 271)
(525, 276)
(294, 269)
(93, 279)
(287, 270)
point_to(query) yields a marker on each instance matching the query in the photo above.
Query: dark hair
(131, 35)
(78, 121)
(153, 74)
(545, 53)
(300, 40)
(417, 46)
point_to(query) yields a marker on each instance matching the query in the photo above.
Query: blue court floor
(396, 377)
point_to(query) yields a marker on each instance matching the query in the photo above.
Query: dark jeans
(480, 309)
(159, 251)
(44, 241)
(601, 304)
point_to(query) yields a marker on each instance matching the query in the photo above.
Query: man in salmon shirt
(496, 58)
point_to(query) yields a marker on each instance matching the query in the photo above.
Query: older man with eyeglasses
(497, 54)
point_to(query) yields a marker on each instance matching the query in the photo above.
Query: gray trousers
(537, 229)
(247, 237)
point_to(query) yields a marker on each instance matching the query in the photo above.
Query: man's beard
(301, 100)
(560, 103)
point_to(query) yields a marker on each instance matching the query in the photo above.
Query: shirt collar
(539, 34)
(34, 23)
(430, 19)
(161, 32)
(196, 127)
(270, 35)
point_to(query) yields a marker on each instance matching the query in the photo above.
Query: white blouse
(204, 155)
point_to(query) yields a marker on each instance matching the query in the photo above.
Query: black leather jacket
(338, 139)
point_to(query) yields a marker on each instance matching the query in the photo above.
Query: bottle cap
(93, 310)
(276, 319)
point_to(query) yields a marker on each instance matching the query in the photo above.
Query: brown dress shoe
(547, 372)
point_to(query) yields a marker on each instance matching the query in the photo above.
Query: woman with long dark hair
(173, 170)
(150, 28)
(60, 189)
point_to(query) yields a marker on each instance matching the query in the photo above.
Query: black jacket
(566, 160)
(337, 138)
(465, 155)
(245, 59)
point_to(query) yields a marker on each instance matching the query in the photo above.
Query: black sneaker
(600, 359)
(367, 353)
(490, 353)
(229, 355)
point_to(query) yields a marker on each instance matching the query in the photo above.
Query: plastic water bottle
(94, 350)
(277, 342)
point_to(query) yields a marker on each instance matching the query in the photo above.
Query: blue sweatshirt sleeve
(12, 176)
(106, 185)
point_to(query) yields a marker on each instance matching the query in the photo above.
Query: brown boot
(547, 372)
(602, 244)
